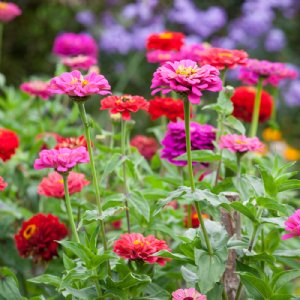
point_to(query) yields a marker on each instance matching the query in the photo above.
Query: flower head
(223, 58)
(124, 105)
(174, 144)
(272, 135)
(73, 44)
(147, 146)
(71, 142)
(161, 56)
(243, 100)
(135, 246)
(3, 184)
(82, 62)
(38, 237)
(195, 220)
(62, 160)
(292, 225)
(187, 78)
(170, 108)
(240, 143)
(74, 84)
(9, 142)
(191, 52)
(36, 88)
(291, 154)
(165, 41)
(187, 294)
(8, 11)
(53, 185)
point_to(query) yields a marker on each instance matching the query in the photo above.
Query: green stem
(275, 92)
(126, 189)
(238, 291)
(1, 41)
(256, 108)
(112, 139)
(223, 76)
(69, 207)
(190, 169)
(224, 296)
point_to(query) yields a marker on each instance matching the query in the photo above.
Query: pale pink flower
(187, 294)
(37, 88)
(74, 84)
(53, 185)
(79, 62)
(240, 143)
(62, 160)
(187, 78)
(8, 11)
(3, 184)
(161, 56)
(292, 225)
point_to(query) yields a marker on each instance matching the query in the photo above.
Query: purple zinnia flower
(202, 137)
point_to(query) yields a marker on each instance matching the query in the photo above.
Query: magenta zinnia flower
(36, 88)
(3, 184)
(187, 294)
(292, 225)
(240, 143)
(62, 160)
(187, 78)
(8, 11)
(174, 144)
(74, 84)
(79, 62)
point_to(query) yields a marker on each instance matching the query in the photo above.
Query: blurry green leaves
(9, 288)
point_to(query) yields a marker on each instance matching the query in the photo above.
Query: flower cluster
(165, 41)
(147, 146)
(9, 142)
(38, 237)
(71, 142)
(8, 11)
(134, 246)
(3, 184)
(82, 62)
(292, 225)
(37, 88)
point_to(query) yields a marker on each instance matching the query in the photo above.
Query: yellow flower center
(29, 231)
(226, 54)
(166, 35)
(61, 181)
(3, 5)
(84, 82)
(186, 71)
(138, 242)
(240, 142)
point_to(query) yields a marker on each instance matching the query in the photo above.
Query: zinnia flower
(187, 78)
(38, 237)
(290, 153)
(272, 135)
(124, 105)
(243, 100)
(73, 44)
(223, 58)
(53, 185)
(240, 143)
(191, 52)
(202, 137)
(79, 62)
(195, 220)
(36, 88)
(292, 225)
(160, 56)
(9, 142)
(187, 294)
(46, 137)
(165, 41)
(74, 84)
(71, 142)
(3, 184)
(62, 160)
(135, 246)
(147, 146)
(170, 108)
(8, 11)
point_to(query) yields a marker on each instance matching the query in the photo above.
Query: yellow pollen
(3, 5)
(166, 35)
(226, 54)
(84, 82)
(29, 231)
(138, 242)
(240, 142)
(61, 181)
(186, 71)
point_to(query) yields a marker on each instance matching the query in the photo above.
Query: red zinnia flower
(243, 102)
(37, 237)
(147, 146)
(9, 142)
(135, 246)
(71, 142)
(124, 105)
(195, 221)
(223, 58)
(168, 107)
(3, 184)
(165, 41)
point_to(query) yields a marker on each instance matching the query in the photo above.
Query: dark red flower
(71, 142)
(165, 41)
(117, 224)
(3, 184)
(168, 107)
(135, 246)
(195, 221)
(9, 142)
(37, 237)
(124, 105)
(147, 146)
(243, 102)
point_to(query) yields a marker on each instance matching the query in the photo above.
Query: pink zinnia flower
(73, 44)
(186, 77)
(191, 52)
(240, 143)
(3, 184)
(161, 56)
(53, 185)
(79, 62)
(187, 294)
(62, 160)
(135, 246)
(292, 225)
(74, 84)
(8, 11)
(36, 88)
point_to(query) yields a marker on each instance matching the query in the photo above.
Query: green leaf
(128, 281)
(217, 234)
(268, 180)
(244, 210)
(288, 253)
(289, 185)
(9, 289)
(93, 215)
(88, 293)
(46, 279)
(236, 124)
(271, 204)
(140, 204)
(282, 297)
(282, 278)
(175, 256)
(189, 273)
(113, 163)
(201, 156)
(279, 221)
(68, 262)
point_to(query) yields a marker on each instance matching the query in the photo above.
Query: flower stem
(256, 109)
(126, 190)
(190, 169)
(69, 207)
(1, 41)
(275, 92)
